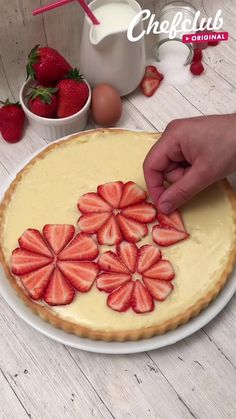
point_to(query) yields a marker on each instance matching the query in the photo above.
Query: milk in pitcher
(114, 17)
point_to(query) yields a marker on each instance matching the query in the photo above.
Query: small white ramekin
(49, 128)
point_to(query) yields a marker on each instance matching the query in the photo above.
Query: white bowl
(50, 128)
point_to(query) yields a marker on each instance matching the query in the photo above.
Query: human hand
(192, 154)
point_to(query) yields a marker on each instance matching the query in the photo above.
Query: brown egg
(106, 106)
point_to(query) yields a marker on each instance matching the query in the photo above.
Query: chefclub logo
(198, 29)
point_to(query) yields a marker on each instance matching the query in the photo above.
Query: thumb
(192, 182)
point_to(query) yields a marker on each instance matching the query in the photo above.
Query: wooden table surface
(195, 378)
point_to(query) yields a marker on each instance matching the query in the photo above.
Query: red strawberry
(166, 236)
(132, 230)
(197, 68)
(141, 299)
(127, 253)
(109, 262)
(43, 101)
(24, 261)
(111, 193)
(35, 282)
(197, 55)
(73, 94)
(58, 235)
(82, 247)
(151, 71)
(173, 220)
(109, 281)
(148, 255)
(144, 212)
(46, 65)
(120, 299)
(58, 291)
(132, 194)
(162, 270)
(91, 202)
(213, 43)
(109, 233)
(12, 120)
(80, 274)
(158, 289)
(32, 240)
(90, 223)
(149, 86)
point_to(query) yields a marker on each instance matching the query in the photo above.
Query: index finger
(155, 164)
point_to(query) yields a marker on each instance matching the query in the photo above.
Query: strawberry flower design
(55, 264)
(115, 212)
(134, 277)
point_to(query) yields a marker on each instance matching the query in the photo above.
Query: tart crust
(128, 335)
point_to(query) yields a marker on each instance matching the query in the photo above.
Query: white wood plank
(43, 375)
(222, 60)
(5, 90)
(19, 33)
(3, 174)
(222, 333)
(228, 12)
(11, 155)
(165, 105)
(210, 93)
(201, 375)
(63, 28)
(10, 406)
(130, 388)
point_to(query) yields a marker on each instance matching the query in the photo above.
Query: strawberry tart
(85, 248)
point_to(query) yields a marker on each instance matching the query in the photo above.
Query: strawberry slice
(24, 261)
(148, 255)
(120, 299)
(59, 291)
(82, 247)
(157, 288)
(91, 202)
(144, 213)
(111, 192)
(108, 261)
(141, 299)
(149, 86)
(151, 71)
(80, 274)
(132, 194)
(110, 281)
(35, 282)
(32, 240)
(173, 220)
(127, 253)
(133, 231)
(90, 223)
(58, 235)
(161, 270)
(167, 236)
(109, 233)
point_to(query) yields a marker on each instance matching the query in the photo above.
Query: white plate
(156, 342)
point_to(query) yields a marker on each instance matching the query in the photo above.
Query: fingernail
(166, 207)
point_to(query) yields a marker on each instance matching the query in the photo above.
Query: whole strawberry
(43, 101)
(12, 120)
(46, 65)
(73, 93)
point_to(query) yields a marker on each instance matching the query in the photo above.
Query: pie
(85, 249)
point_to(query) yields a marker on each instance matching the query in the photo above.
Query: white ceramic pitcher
(113, 58)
